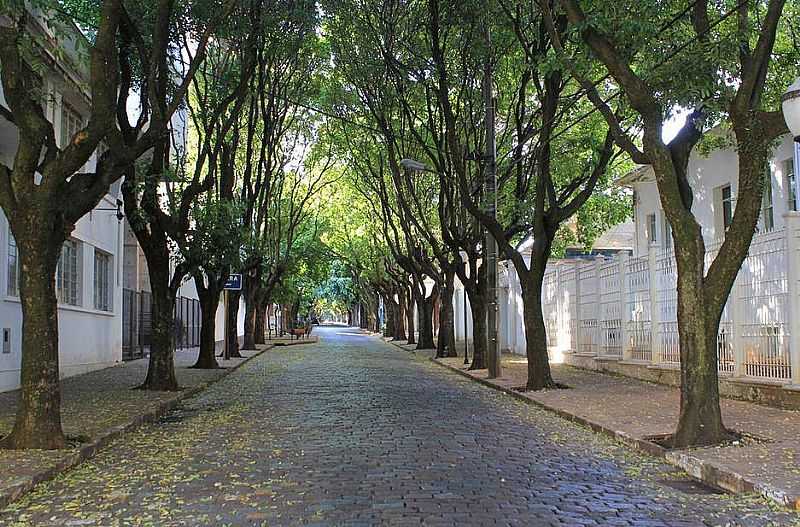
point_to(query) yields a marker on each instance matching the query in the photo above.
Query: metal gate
(136, 323)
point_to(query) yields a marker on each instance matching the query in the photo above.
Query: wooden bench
(299, 333)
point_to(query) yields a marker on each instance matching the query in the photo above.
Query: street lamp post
(493, 351)
(490, 159)
(791, 113)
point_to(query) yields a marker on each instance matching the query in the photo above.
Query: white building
(619, 314)
(88, 280)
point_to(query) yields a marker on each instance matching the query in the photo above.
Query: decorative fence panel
(762, 288)
(550, 306)
(626, 308)
(137, 327)
(610, 309)
(640, 320)
(587, 307)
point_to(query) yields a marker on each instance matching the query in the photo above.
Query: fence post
(577, 327)
(597, 338)
(652, 271)
(793, 276)
(737, 330)
(624, 311)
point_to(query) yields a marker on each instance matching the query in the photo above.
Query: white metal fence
(626, 308)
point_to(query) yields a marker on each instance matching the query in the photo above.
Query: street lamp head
(791, 109)
(414, 165)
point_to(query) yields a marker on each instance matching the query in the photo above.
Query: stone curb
(704, 471)
(297, 342)
(26, 484)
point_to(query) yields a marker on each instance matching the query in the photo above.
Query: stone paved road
(355, 432)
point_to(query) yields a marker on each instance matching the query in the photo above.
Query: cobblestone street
(353, 431)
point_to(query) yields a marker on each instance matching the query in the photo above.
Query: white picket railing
(626, 308)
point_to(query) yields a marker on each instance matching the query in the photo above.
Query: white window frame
(69, 283)
(789, 183)
(650, 228)
(726, 216)
(667, 238)
(71, 123)
(103, 281)
(12, 271)
(767, 221)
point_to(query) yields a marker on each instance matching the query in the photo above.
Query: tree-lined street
(353, 431)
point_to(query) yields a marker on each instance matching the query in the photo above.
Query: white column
(624, 313)
(652, 268)
(792, 220)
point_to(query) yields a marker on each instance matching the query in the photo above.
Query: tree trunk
(261, 321)
(539, 376)
(209, 302)
(388, 313)
(161, 367)
(399, 317)
(478, 307)
(426, 340)
(445, 345)
(412, 330)
(250, 308)
(38, 418)
(233, 324)
(700, 420)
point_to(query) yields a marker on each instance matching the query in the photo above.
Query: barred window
(767, 214)
(12, 286)
(102, 281)
(68, 275)
(789, 183)
(71, 123)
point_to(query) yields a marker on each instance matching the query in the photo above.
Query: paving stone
(352, 431)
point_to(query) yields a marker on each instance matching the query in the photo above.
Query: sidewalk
(96, 408)
(634, 411)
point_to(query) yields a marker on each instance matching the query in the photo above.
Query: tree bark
(539, 375)
(445, 345)
(209, 302)
(233, 324)
(399, 317)
(38, 418)
(388, 312)
(409, 302)
(261, 321)
(426, 340)
(531, 282)
(161, 367)
(478, 305)
(250, 308)
(700, 419)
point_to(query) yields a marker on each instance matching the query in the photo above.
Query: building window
(767, 216)
(727, 207)
(790, 184)
(68, 274)
(71, 124)
(667, 234)
(651, 228)
(102, 281)
(12, 286)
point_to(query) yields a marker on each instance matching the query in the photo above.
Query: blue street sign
(234, 282)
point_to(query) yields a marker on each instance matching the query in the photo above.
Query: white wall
(89, 339)
(707, 173)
